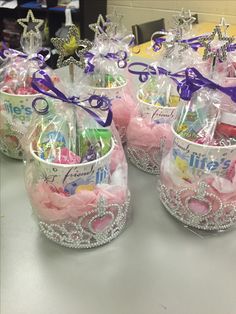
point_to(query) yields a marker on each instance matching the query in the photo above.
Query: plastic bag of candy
(76, 171)
(198, 175)
(158, 100)
(106, 71)
(16, 96)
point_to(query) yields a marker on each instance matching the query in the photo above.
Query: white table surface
(156, 266)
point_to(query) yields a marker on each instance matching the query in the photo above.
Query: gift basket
(76, 171)
(149, 133)
(16, 93)
(105, 69)
(198, 175)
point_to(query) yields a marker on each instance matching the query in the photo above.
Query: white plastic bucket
(160, 113)
(193, 159)
(15, 116)
(72, 177)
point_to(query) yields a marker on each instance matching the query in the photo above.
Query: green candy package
(94, 143)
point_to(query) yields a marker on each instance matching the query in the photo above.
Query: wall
(136, 11)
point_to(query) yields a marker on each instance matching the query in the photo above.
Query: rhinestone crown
(199, 208)
(83, 233)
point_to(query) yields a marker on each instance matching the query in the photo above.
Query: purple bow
(194, 81)
(7, 52)
(149, 70)
(120, 56)
(95, 101)
(192, 42)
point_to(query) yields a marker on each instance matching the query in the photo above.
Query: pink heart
(99, 224)
(199, 207)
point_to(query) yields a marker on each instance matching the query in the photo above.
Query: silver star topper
(99, 27)
(184, 20)
(113, 23)
(30, 24)
(216, 45)
(175, 42)
(114, 17)
(71, 50)
(224, 26)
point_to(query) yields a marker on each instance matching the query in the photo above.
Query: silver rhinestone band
(143, 160)
(81, 234)
(220, 218)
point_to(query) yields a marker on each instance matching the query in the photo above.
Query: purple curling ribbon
(120, 56)
(8, 52)
(132, 41)
(149, 70)
(231, 48)
(158, 43)
(194, 81)
(89, 66)
(192, 42)
(95, 102)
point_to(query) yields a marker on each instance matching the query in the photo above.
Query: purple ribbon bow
(149, 70)
(192, 42)
(8, 52)
(95, 101)
(195, 80)
(120, 56)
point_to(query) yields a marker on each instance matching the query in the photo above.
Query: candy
(94, 143)
(65, 156)
(16, 76)
(159, 92)
(107, 80)
(25, 91)
(54, 135)
(48, 144)
(197, 121)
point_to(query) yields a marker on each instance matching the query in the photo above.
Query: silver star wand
(31, 39)
(71, 50)
(183, 21)
(216, 46)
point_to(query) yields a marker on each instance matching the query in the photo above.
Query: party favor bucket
(83, 221)
(15, 115)
(197, 184)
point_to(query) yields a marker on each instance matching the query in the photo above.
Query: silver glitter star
(114, 17)
(71, 49)
(211, 50)
(99, 27)
(170, 45)
(113, 23)
(184, 20)
(30, 24)
(224, 25)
